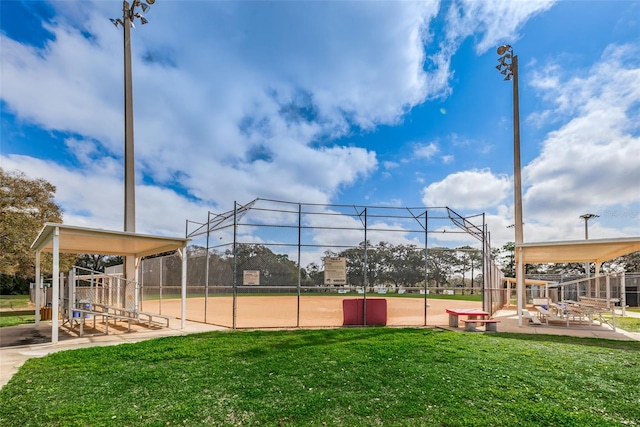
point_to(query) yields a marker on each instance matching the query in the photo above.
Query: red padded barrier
(353, 311)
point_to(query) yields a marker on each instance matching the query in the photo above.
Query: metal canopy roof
(81, 240)
(597, 250)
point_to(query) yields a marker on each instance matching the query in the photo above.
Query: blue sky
(350, 102)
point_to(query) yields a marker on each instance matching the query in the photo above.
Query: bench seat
(105, 319)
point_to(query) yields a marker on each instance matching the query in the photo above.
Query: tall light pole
(508, 66)
(587, 217)
(129, 15)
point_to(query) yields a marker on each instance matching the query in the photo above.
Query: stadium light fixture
(509, 68)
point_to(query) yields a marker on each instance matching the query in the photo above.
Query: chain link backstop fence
(273, 264)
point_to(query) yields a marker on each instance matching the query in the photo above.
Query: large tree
(98, 262)
(275, 269)
(25, 205)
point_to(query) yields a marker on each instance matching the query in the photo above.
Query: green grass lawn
(336, 377)
(16, 319)
(14, 301)
(14, 310)
(628, 323)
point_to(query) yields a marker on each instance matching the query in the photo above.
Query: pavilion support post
(520, 290)
(136, 284)
(597, 278)
(71, 285)
(55, 286)
(623, 293)
(183, 307)
(38, 290)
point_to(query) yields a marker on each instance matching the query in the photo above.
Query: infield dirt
(315, 311)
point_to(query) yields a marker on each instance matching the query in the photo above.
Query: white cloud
(390, 165)
(203, 112)
(94, 197)
(594, 158)
(497, 21)
(474, 189)
(446, 159)
(425, 151)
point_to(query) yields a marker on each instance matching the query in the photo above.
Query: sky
(377, 103)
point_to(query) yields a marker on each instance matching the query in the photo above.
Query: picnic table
(474, 315)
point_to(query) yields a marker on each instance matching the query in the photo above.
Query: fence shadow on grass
(290, 340)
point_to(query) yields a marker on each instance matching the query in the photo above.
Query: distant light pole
(587, 217)
(129, 14)
(508, 66)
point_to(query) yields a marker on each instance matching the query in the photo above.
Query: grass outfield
(14, 310)
(314, 294)
(18, 318)
(9, 302)
(337, 377)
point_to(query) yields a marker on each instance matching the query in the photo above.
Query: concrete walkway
(509, 323)
(22, 342)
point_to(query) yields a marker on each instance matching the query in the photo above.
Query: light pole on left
(129, 14)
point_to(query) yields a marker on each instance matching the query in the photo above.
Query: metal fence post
(426, 264)
(235, 262)
(366, 271)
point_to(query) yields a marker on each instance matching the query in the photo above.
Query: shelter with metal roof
(60, 238)
(581, 251)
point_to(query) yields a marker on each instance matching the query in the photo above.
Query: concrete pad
(22, 342)
(509, 323)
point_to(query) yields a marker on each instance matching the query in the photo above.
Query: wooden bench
(491, 325)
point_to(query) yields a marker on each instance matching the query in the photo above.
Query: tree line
(387, 265)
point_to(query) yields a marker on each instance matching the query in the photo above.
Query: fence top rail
(584, 279)
(418, 213)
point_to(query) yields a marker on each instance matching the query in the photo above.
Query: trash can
(84, 304)
(45, 313)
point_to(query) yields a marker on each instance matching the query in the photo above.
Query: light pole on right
(587, 217)
(508, 67)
